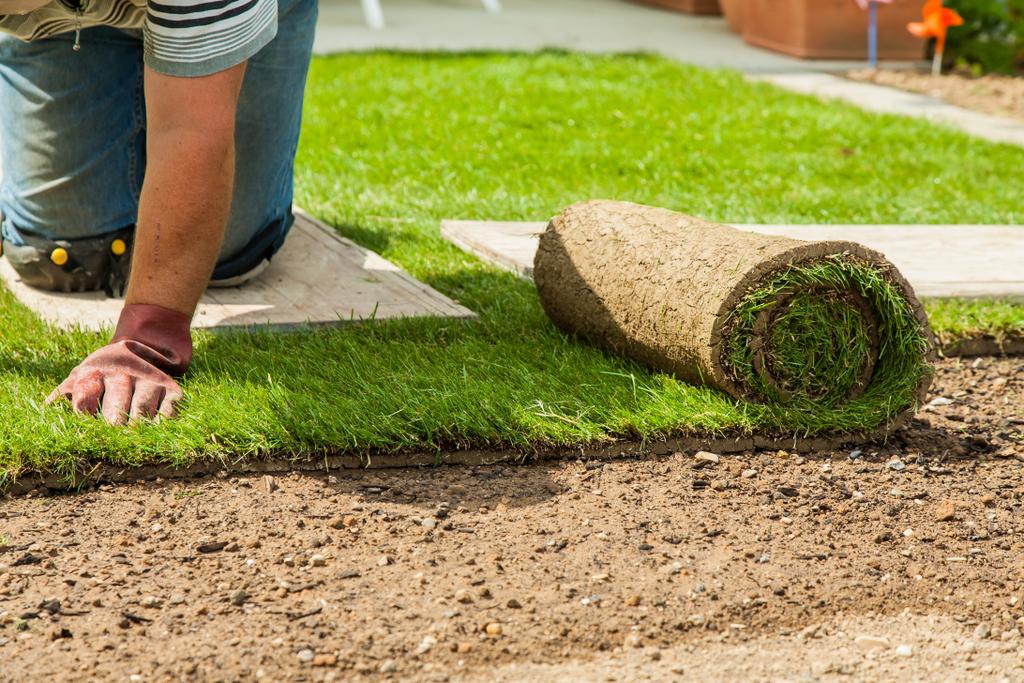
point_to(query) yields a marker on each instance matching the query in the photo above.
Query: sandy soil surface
(897, 562)
(991, 94)
(905, 647)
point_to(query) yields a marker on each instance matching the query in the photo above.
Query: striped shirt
(180, 37)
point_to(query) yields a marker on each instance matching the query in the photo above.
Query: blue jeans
(73, 137)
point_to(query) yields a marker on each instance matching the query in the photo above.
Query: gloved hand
(133, 376)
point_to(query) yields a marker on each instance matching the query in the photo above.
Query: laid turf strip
(826, 336)
(392, 144)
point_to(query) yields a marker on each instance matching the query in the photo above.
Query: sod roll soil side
(821, 337)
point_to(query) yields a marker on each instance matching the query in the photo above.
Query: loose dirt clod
(945, 511)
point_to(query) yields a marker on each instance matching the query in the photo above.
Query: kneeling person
(159, 134)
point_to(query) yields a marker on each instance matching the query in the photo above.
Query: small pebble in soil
(904, 651)
(305, 656)
(426, 645)
(239, 597)
(493, 629)
(871, 643)
(388, 666)
(212, 547)
(706, 458)
(673, 569)
(325, 660)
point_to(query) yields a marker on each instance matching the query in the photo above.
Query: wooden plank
(364, 273)
(508, 244)
(939, 260)
(317, 278)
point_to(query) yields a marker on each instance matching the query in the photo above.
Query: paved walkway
(938, 260)
(586, 25)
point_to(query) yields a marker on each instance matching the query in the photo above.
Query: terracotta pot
(831, 29)
(733, 11)
(687, 6)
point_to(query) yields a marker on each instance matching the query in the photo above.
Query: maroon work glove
(133, 376)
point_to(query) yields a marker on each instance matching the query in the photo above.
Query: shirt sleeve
(201, 37)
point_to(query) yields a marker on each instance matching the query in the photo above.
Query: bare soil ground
(904, 561)
(991, 94)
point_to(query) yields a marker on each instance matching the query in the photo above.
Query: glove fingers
(146, 400)
(169, 406)
(87, 391)
(117, 397)
(64, 390)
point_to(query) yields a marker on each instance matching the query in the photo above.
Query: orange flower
(937, 20)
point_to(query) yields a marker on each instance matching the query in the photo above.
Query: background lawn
(394, 143)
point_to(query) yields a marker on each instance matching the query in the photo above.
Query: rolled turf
(819, 333)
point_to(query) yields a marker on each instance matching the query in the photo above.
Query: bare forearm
(183, 211)
(186, 197)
